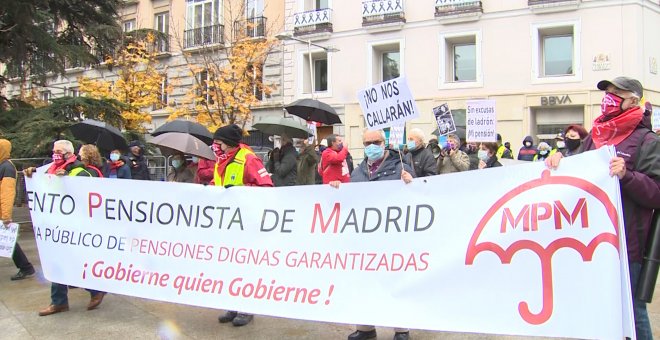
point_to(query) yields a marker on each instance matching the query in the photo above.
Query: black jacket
(424, 162)
(282, 165)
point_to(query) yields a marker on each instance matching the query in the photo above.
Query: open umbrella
(182, 142)
(274, 125)
(185, 126)
(314, 110)
(105, 136)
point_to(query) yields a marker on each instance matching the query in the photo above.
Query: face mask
(411, 145)
(58, 158)
(114, 157)
(528, 144)
(217, 150)
(573, 144)
(483, 155)
(195, 159)
(298, 150)
(611, 105)
(374, 152)
(340, 146)
(561, 145)
(544, 152)
(176, 163)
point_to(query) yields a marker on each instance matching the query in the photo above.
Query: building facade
(539, 60)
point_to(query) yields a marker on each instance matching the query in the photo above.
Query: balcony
(450, 11)
(250, 28)
(203, 36)
(312, 22)
(161, 46)
(546, 6)
(380, 13)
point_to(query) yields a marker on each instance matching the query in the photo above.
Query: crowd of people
(623, 122)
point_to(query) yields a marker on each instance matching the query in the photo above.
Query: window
(555, 56)
(203, 18)
(547, 122)
(316, 74)
(311, 5)
(256, 73)
(385, 61)
(254, 8)
(45, 96)
(162, 24)
(129, 25)
(320, 75)
(162, 95)
(74, 92)
(203, 87)
(460, 60)
(390, 65)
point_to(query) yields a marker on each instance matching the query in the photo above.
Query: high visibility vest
(78, 170)
(234, 170)
(500, 151)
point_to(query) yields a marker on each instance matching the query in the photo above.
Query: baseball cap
(624, 83)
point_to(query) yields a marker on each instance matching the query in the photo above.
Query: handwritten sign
(8, 236)
(387, 104)
(481, 121)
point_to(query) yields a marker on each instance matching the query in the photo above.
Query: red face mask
(216, 149)
(611, 105)
(58, 158)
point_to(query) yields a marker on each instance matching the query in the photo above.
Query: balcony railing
(552, 5)
(377, 12)
(203, 36)
(457, 7)
(550, 2)
(314, 21)
(161, 46)
(250, 27)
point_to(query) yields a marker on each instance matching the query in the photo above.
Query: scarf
(54, 167)
(612, 131)
(224, 160)
(116, 165)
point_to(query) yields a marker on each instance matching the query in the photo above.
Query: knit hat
(230, 134)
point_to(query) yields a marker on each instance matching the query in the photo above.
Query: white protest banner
(532, 254)
(445, 119)
(8, 236)
(655, 118)
(481, 121)
(388, 103)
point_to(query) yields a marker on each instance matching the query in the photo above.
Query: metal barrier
(158, 167)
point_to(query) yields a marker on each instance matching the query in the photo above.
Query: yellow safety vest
(234, 170)
(76, 171)
(500, 151)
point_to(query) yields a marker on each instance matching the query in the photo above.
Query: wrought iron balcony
(161, 46)
(250, 27)
(203, 36)
(315, 21)
(457, 7)
(377, 12)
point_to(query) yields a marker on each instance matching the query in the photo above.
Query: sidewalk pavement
(127, 317)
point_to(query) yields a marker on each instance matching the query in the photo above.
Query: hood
(5, 149)
(528, 139)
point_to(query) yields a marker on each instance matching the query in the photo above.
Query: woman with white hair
(423, 160)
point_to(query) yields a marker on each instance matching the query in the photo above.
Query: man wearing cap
(502, 151)
(236, 165)
(622, 123)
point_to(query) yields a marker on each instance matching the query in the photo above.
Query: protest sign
(395, 136)
(444, 119)
(8, 236)
(530, 254)
(388, 103)
(655, 118)
(481, 121)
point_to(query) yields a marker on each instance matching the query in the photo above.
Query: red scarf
(54, 167)
(224, 160)
(116, 165)
(614, 130)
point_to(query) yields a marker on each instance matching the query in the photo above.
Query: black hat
(230, 134)
(135, 143)
(499, 137)
(624, 83)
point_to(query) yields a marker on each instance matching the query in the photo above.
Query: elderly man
(333, 165)
(423, 161)
(622, 123)
(380, 164)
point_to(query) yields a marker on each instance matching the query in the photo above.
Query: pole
(311, 68)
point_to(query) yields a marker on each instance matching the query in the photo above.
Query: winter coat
(122, 172)
(204, 171)
(389, 169)
(7, 181)
(307, 161)
(182, 174)
(333, 166)
(423, 162)
(458, 162)
(527, 153)
(139, 167)
(254, 172)
(282, 166)
(640, 186)
(493, 162)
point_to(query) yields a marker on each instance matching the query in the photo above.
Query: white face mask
(483, 155)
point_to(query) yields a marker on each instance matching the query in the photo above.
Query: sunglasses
(369, 142)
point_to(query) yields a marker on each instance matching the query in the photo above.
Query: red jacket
(333, 166)
(204, 174)
(254, 172)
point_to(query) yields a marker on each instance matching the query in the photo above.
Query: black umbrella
(185, 126)
(105, 136)
(314, 110)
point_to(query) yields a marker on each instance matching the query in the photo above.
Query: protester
(378, 165)
(180, 171)
(560, 145)
(528, 150)
(623, 124)
(65, 163)
(282, 163)
(502, 151)
(137, 161)
(488, 155)
(204, 171)
(472, 150)
(333, 165)
(7, 196)
(116, 166)
(422, 159)
(307, 162)
(574, 134)
(433, 146)
(452, 159)
(507, 145)
(543, 152)
(237, 165)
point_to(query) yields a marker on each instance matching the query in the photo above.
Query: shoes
(22, 275)
(242, 319)
(227, 317)
(401, 335)
(362, 335)
(95, 301)
(53, 309)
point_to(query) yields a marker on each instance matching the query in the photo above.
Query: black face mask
(573, 144)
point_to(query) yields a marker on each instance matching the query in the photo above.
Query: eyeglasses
(369, 142)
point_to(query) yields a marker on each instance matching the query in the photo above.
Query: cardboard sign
(481, 121)
(387, 104)
(8, 236)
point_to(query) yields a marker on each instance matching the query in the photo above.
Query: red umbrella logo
(526, 222)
